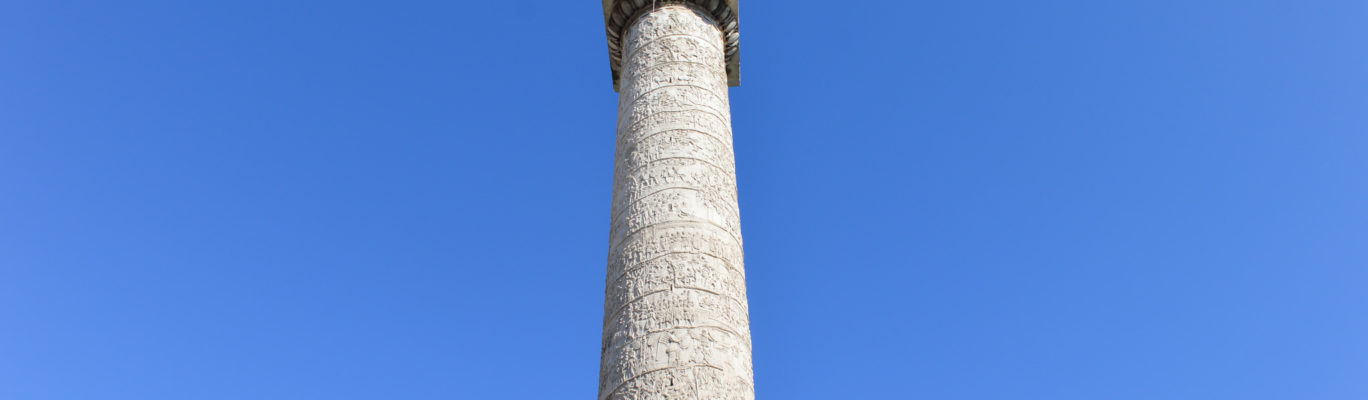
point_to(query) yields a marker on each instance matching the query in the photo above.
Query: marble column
(676, 324)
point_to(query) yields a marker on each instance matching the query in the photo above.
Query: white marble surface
(675, 318)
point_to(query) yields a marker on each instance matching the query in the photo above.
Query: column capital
(619, 14)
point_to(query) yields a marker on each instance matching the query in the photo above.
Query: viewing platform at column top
(618, 15)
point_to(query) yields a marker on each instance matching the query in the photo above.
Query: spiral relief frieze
(676, 323)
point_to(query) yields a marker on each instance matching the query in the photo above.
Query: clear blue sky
(941, 200)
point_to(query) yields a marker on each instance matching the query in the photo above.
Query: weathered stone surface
(676, 324)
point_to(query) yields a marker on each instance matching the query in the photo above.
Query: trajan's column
(675, 322)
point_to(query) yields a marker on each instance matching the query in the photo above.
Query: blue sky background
(942, 200)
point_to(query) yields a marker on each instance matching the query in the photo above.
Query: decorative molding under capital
(618, 15)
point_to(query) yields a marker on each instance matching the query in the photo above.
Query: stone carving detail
(675, 323)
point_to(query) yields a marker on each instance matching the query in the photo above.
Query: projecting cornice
(618, 15)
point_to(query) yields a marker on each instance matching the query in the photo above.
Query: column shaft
(676, 323)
